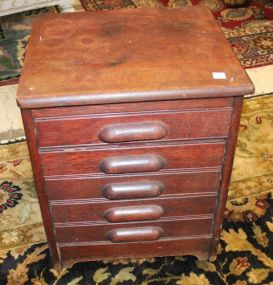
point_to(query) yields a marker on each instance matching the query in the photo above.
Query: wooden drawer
(133, 210)
(133, 107)
(132, 232)
(120, 160)
(168, 247)
(116, 128)
(132, 186)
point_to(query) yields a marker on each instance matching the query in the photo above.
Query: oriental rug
(20, 216)
(245, 255)
(14, 34)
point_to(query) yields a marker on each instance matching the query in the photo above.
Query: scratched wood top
(128, 55)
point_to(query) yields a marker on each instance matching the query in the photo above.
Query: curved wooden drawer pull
(133, 213)
(133, 132)
(132, 190)
(135, 234)
(132, 163)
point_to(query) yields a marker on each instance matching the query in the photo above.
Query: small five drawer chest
(131, 118)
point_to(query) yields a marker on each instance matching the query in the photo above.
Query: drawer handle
(133, 213)
(132, 163)
(132, 190)
(135, 234)
(133, 132)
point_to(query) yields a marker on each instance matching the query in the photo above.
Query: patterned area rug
(245, 257)
(14, 34)
(249, 30)
(253, 165)
(20, 217)
(246, 251)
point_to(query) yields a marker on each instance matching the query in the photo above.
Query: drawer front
(136, 159)
(117, 128)
(139, 107)
(191, 246)
(135, 210)
(133, 232)
(116, 187)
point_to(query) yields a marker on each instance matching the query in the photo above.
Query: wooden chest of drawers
(131, 119)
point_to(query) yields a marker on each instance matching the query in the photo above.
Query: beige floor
(11, 126)
(262, 77)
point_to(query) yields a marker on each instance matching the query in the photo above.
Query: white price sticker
(219, 75)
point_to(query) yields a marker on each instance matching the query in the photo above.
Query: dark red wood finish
(40, 185)
(228, 160)
(133, 213)
(131, 145)
(177, 227)
(175, 156)
(77, 187)
(129, 108)
(192, 245)
(132, 163)
(95, 210)
(135, 234)
(101, 129)
(124, 132)
(118, 191)
(113, 58)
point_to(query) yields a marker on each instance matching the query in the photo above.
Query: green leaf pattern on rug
(205, 265)
(19, 275)
(270, 226)
(125, 274)
(237, 241)
(101, 275)
(260, 235)
(75, 281)
(256, 276)
(193, 279)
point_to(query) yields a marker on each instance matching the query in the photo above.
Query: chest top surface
(126, 56)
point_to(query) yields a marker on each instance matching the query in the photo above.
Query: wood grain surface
(128, 55)
(112, 128)
(188, 226)
(77, 187)
(193, 245)
(74, 161)
(96, 210)
(133, 108)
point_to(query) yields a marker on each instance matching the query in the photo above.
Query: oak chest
(131, 119)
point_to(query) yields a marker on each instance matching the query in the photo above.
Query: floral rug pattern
(245, 253)
(9, 195)
(253, 165)
(14, 34)
(245, 256)
(20, 218)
